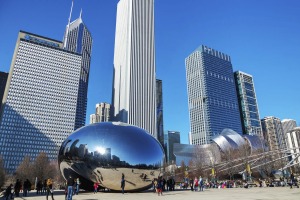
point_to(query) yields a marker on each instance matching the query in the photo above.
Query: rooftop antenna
(67, 31)
(80, 13)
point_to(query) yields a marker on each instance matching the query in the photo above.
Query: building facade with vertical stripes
(248, 104)
(134, 90)
(40, 99)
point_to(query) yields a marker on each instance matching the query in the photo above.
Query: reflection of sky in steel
(129, 143)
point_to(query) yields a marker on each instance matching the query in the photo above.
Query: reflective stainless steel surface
(229, 139)
(101, 152)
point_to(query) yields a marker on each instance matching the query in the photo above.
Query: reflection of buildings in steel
(101, 166)
(82, 150)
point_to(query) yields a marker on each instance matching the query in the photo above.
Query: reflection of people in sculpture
(123, 183)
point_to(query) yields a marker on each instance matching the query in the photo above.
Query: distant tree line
(39, 169)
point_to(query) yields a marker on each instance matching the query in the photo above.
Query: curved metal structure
(102, 152)
(254, 142)
(229, 139)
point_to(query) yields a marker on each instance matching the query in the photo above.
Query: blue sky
(261, 36)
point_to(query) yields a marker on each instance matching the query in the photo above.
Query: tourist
(70, 185)
(26, 187)
(96, 187)
(49, 188)
(123, 183)
(77, 186)
(17, 187)
(8, 193)
(196, 184)
(201, 184)
(192, 184)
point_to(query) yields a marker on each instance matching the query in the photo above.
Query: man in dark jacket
(70, 185)
(26, 187)
(18, 187)
(8, 193)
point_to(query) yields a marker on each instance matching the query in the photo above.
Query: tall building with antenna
(134, 91)
(45, 95)
(78, 39)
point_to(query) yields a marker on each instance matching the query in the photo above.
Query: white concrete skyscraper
(134, 91)
(40, 98)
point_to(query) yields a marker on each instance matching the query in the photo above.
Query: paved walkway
(274, 193)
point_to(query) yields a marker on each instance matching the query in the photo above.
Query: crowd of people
(42, 188)
(159, 185)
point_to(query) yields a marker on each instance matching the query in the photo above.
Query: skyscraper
(78, 39)
(103, 112)
(212, 98)
(273, 133)
(293, 143)
(3, 79)
(160, 116)
(171, 138)
(134, 90)
(248, 104)
(40, 99)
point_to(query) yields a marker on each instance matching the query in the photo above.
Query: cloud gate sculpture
(102, 152)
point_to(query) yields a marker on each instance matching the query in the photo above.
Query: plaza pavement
(273, 193)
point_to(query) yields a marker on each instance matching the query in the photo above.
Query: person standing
(26, 187)
(70, 185)
(196, 184)
(49, 188)
(77, 186)
(292, 180)
(17, 188)
(201, 184)
(96, 187)
(8, 193)
(123, 183)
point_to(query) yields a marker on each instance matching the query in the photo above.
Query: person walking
(96, 187)
(70, 185)
(8, 193)
(123, 183)
(49, 188)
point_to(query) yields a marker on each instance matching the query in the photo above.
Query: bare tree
(24, 171)
(56, 174)
(230, 164)
(42, 168)
(180, 172)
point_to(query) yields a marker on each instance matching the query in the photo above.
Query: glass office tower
(171, 138)
(40, 99)
(134, 91)
(160, 116)
(248, 104)
(3, 79)
(78, 39)
(212, 98)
